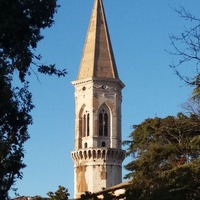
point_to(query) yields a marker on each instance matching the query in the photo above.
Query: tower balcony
(98, 154)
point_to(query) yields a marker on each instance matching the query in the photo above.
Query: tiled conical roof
(98, 59)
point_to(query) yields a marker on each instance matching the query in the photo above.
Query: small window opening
(86, 124)
(103, 123)
(103, 144)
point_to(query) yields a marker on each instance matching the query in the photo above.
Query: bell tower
(98, 155)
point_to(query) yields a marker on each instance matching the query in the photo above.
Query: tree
(92, 196)
(37, 198)
(21, 22)
(187, 50)
(109, 196)
(14, 120)
(166, 159)
(60, 194)
(89, 196)
(192, 106)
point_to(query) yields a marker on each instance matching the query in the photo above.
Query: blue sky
(139, 31)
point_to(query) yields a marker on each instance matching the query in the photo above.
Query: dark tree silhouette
(21, 22)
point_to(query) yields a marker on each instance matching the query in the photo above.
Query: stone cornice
(95, 154)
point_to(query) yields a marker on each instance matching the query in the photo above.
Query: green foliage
(37, 198)
(89, 196)
(60, 194)
(15, 106)
(93, 196)
(21, 22)
(109, 196)
(166, 157)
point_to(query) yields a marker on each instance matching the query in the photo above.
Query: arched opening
(81, 155)
(103, 121)
(85, 154)
(103, 144)
(85, 124)
(94, 154)
(89, 154)
(98, 154)
(104, 154)
(85, 145)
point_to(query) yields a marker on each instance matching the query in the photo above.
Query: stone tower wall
(98, 155)
(97, 169)
(97, 166)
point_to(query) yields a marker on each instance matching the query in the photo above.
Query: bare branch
(187, 48)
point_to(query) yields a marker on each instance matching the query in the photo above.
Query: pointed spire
(98, 59)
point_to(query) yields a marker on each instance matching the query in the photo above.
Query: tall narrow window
(86, 124)
(100, 124)
(103, 122)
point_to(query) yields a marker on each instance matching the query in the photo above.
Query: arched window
(103, 121)
(103, 144)
(86, 124)
(85, 145)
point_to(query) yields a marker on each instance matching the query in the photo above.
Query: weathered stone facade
(98, 155)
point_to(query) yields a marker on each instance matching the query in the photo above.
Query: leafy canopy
(166, 158)
(21, 22)
(92, 196)
(60, 194)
